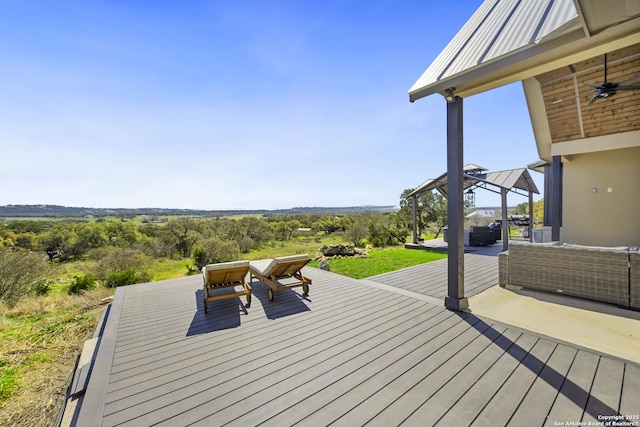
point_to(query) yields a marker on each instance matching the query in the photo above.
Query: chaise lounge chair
(225, 275)
(282, 273)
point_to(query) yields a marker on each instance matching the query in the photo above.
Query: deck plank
(392, 390)
(481, 272)
(416, 396)
(352, 352)
(242, 354)
(251, 373)
(340, 397)
(476, 398)
(446, 397)
(631, 393)
(604, 398)
(572, 398)
(537, 403)
(256, 342)
(504, 403)
(360, 352)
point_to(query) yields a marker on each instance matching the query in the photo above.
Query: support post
(548, 191)
(530, 217)
(556, 198)
(505, 221)
(455, 299)
(414, 209)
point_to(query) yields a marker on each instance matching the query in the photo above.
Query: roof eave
(534, 59)
(495, 73)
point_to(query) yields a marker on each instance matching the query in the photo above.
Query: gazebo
(474, 176)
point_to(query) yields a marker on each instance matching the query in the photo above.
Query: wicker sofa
(610, 275)
(479, 236)
(634, 278)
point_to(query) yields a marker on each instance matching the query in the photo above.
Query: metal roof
(506, 41)
(513, 179)
(509, 179)
(497, 28)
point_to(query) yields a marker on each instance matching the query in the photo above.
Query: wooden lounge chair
(282, 273)
(225, 275)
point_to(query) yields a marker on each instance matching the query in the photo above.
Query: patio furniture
(496, 229)
(282, 273)
(479, 236)
(220, 281)
(634, 278)
(596, 273)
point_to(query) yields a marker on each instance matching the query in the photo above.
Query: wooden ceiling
(566, 97)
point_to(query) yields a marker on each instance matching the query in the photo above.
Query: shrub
(246, 244)
(9, 382)
(112, 265)
(42, 288)
(215, 250)
(199, 256)
(125, 277)
(81, 284)
(19, 273)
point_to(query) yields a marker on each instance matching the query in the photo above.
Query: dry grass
(40, 340)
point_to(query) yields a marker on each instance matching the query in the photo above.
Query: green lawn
(382, 261)
(379, 261)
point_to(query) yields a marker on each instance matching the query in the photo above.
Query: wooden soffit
(566, 97)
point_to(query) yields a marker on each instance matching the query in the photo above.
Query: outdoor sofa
(479, 235)
(604, 274)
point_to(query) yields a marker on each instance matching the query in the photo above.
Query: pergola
(554, 47)
(502, 182)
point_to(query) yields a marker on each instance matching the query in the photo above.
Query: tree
(285, 228)
(26, 240)
(431, 208)
(329, 224)
(522, 209)
(116, 267)
(439, 212)
(358, 231)
(182, 234)
(87, 236)
(538, 211)
(380, 230)
(56, 241)
(475, 219)
(20, 271)
(122, 234)
(215, 250)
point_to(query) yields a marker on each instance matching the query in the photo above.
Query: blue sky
(235, 104)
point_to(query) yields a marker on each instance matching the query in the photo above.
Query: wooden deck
(480, 271)
(349, 354)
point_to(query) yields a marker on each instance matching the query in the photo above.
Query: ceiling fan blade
(628, 88)
(594, 86)
(592, 100)
(624, 82)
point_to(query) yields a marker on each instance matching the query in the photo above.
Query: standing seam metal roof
(497, 28)
(509, 179)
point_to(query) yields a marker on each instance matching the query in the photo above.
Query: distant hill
(55, 211)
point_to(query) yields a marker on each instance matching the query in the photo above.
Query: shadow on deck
(356, 354)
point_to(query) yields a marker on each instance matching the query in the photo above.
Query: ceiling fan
(607, 89)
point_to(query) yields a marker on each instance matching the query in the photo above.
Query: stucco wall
(602, 217)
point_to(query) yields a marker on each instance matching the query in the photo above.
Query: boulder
(324, 265)
(338, 250)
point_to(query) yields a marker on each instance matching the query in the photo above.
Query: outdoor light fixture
(450, 94)
(470, 199)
